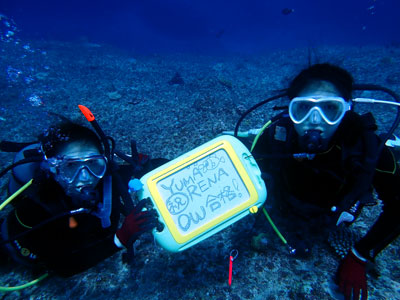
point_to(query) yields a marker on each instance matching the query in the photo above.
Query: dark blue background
(209, 25)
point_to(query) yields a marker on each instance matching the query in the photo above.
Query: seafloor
(133, 97)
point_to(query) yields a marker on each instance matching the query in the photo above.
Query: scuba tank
(22, 173)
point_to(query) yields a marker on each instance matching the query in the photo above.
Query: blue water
(38, 75)
(209, 26)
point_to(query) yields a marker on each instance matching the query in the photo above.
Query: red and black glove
(136, 223)
(352, 278)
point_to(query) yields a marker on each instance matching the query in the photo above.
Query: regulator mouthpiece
(87, 198)
(312, 141)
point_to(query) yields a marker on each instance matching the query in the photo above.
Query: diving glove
(352, 276)
(137, 222)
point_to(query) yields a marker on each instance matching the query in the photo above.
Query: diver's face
(315, 120)
(84, 179)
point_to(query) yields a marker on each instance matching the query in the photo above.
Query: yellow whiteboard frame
(153, 180)
(246, 169)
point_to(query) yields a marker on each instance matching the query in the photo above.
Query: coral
(342, 239)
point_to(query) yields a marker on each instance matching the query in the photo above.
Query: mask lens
(300, 109)
(96, 166)
(69, 168)
(331, 109)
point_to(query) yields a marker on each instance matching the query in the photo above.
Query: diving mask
(331, 109)
(68, 168)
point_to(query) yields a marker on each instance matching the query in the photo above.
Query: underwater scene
(217, 149)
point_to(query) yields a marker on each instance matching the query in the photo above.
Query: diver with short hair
(67, 220)
(322, 162)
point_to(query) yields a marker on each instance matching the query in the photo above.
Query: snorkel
(104, 209)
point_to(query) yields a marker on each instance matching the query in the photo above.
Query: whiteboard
(202, 191)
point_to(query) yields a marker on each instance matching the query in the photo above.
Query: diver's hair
(340, 78)
(56, 137)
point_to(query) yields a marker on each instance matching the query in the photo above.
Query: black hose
(21, 162)
(41, 224)
(253, 108)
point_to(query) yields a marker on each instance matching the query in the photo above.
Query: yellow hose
(259, 134)
(20, 287)
(273, 226)
(13, 196)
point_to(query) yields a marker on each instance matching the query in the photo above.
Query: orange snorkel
(90, 117)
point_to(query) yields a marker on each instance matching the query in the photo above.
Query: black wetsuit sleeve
(387, 227)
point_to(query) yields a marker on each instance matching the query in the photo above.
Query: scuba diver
(324, 162)
(67, 219)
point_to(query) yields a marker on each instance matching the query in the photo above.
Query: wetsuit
(57, 246)
(309, 188)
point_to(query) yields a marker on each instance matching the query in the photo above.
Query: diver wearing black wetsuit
(310, 188)
(322, 162)
(67, 220)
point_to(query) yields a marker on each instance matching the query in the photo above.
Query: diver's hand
(136, 223)
(352, 278)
